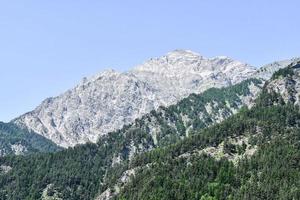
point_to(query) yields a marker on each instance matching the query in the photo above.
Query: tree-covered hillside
(212, 165)
(14, 140)
(84, 171)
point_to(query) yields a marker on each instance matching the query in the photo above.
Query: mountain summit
(109, 100)
(181, 63)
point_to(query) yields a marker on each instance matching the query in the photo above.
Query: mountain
(14, 140)
(251, 155)
(110, 100)
(238, 142)
(87, 166)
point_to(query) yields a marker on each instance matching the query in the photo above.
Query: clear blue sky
(47, 46)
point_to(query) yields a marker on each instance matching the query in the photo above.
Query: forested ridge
(273, 172)
(29, 142)
(200, 165)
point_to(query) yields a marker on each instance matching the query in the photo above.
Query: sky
(47, 47)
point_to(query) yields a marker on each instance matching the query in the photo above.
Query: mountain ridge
(108, 100)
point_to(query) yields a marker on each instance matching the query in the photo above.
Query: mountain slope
(109, 100)
(14, 140)
(263, 143)
(252, 155)
(170, 124)
(81, 172)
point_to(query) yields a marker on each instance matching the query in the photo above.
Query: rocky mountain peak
(172, 61)
(186, 63)
(181, 54)
(109, 100)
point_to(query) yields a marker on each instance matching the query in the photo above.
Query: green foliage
(269, 99)
(10, 134)
(180, 179)
(75, 173)
(230, 148)
(272, 173)
(284, 72)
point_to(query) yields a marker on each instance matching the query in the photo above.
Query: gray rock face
(96, 106)
(109, 100)
(288, 87)
(266, 71)
(181, 73)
